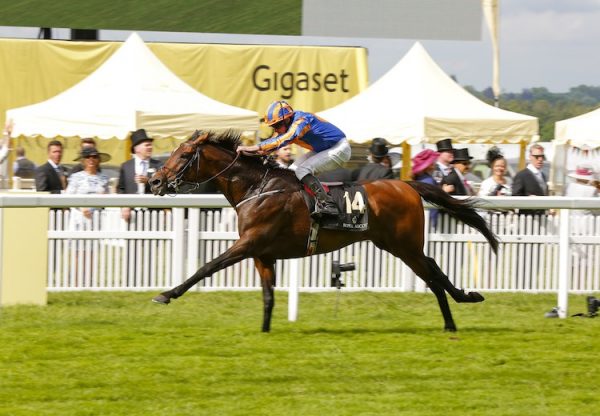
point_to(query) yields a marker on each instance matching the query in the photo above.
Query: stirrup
(325, 210)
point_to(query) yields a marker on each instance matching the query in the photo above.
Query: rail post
(564, 268)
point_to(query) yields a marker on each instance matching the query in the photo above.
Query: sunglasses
(278, 124)
(543, 157)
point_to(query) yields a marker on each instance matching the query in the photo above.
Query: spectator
(379, 166)
(395, 155)
(52, 176)
(531, 180)
(283, 156)
(444, 162)
(134, 174)
(4, 149)
(23, 167)
(497, 184)
(583, 187)
(423, 166)
(88, 181)
(456, 178)
(86, 142)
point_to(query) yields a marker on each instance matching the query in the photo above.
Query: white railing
(106, 252)
(158, 248)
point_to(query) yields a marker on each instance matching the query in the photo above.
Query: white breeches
(329, 159)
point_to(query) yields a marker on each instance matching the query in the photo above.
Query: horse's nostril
(155, 182)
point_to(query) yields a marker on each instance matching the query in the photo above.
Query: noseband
(177, 181)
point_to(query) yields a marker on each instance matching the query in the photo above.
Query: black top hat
(92, 151)
(138, 137)
(461, 155)
(444, 145)
(378, 147)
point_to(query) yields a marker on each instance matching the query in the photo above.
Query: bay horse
(274, 220)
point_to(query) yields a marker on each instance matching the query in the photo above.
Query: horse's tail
(461, 209)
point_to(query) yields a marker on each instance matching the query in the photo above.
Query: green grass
(382, 354)
(282, 17)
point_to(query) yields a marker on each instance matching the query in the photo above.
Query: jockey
(327, 145)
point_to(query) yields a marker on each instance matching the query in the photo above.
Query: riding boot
(325, 204)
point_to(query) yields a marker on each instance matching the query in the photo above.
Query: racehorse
(274, 219)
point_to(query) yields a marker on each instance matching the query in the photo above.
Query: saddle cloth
(351, 200)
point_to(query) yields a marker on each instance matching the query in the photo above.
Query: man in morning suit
(51, 176)
(134, 174)
(379, 166)
(446, 151)
(456, 178)
(531, 180)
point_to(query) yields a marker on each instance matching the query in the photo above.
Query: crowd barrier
(160, 247)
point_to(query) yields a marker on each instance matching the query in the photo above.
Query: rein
(177, 181)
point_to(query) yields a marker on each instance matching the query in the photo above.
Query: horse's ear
(198, 137)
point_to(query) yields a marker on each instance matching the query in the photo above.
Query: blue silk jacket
(307, 130)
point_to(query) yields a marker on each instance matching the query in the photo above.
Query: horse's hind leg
(458, 295)
(266, 269)
(440, 295)
(427, 269)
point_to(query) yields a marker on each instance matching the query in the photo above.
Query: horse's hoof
(450, 328)
(476, 297)
(162, 299)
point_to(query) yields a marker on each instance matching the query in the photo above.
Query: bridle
(177, 181)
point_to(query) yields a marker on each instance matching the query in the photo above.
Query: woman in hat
(328, 148)
(456, 178)
(582, 187)
(87, 181)
(498, 183)
(423, 166)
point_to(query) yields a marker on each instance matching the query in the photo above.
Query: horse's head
(176, 170)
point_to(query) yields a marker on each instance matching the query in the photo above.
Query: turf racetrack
(383, 354)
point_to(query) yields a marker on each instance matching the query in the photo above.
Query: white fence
(158, 248)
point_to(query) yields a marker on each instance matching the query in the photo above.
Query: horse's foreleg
(237, 252)
(266, 269)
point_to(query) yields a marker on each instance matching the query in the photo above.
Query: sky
(543, 43)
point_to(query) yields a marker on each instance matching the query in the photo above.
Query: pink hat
(583, 172)
(423, 160)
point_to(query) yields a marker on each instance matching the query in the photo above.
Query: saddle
(351, 200)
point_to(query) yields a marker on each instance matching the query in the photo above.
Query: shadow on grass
(408, 330)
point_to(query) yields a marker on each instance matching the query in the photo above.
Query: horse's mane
(231, 139)
(227, 139)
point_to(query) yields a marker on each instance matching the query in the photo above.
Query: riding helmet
(277, 111)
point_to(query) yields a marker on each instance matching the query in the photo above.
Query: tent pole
(406, 168)
(523, 149)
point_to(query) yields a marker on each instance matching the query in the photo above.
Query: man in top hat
(379, 166)
(456, 178)
(134, 174)
(444, 161)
